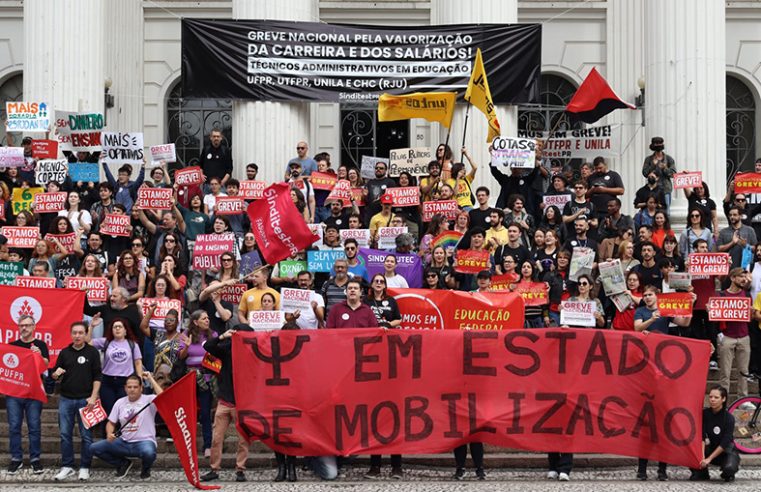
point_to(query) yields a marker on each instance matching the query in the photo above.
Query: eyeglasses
(169, 240)
(137, 245)
(300, 148)
(583, 283)
(739, 199)
(380, 168)
(695, 215)
(379, 281)
(350, 248)
(249, 238)
(227, 259)
(578, 187)
(431, 275)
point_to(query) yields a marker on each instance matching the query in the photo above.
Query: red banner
(708, 263)
(533, 293)
(27, 282)
(49, 202)
(45, 149)
(188, 176)
(54, 310)
(208, 247)
(407, 196)
(232, 293)
(500, 283)
(748, 183)
(154, 198)
(251, 190)
(469, 261)
(729, 308)
(162, 306)
(20, 373)
(323, 181)
(96, 287)
(447, 208)
(424, 309)
(675, 304)
(341, 191)
(392, 392)
(116, 225)
(229, 205)
(177, 407)
(21, 237)
(691, 179)
(271, 216)
(359, 198)
(66, 240)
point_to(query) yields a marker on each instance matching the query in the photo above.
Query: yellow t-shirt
(378, 221)
(251, 300)
(462, 193)
(500, 236)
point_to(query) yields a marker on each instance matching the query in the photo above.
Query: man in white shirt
(310, 319)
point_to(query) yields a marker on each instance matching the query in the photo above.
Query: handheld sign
(229, 205)
(266, 320)
(675, 304)
(29, 117)
(48, 170)
(29, 282)
(708, 263)
(291, 268)
(505, 282)
(83, 131)
(115, 225)
(407, 196)
(84, 171)
(729, 308)
(9, 271)
(65, 240)
(510, 153)
(357, 194)
(447, 208)
(96, 287)
(251, 190)
(45, 149)
(692, 179)
(21, 237)
(387, 236)
(295, 299)
(163, 152)
(50, 202)
(12, 157)
(361, 235)
(341, 191)
(323, 181)
(322, 261)
(557, 200)
(162, 306)
(154, 198)
(748, 183)
(414, 161)
(367, 171)
(22, 198)
(188, 176)
(577, 313)
(208, 248)
(469, 261)
(232, 293)
(533, 293)
(92, 415)
(122, 148)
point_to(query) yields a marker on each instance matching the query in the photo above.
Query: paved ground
(433, 480)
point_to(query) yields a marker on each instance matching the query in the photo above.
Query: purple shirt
(196, 352)
(143, 428)
(117, 360)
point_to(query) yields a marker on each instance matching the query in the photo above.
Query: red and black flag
(594, 99)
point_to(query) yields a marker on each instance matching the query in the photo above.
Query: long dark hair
(371, 292)
(129, 335)
(54, 226)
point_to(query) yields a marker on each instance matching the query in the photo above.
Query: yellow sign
(432, 106)
(23, 198)
(479, 95)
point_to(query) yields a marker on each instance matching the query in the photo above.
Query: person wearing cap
(382, 218)
(296, 180)
(483, 281)
(126, 190)
(306, 163)
(662, 166)
(26, 172)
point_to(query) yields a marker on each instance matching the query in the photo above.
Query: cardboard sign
(229, 205)
(447, 208)
(21, 237)
(122, 148)
(408, 196)
(188, 176)
(323, 181)
(97, 288)
(675, 304)
(578, 313)
(510, 153)
(469, 261)
(115, 225)
(322, 261)
(361, 235)
(45, 149)
(367, 171)
(84, 131)
(9, 271)
(533, 293)
(93, 415)
(232, 293)
(708, 263)
(66, 240)
(747, 183)
(163, 152)
(358, 195)
(295, 299)
(23, 198)
(692, 179)
(29, 282)
(12, 157)
(208, 248)
(84, 171)
(387, 236)
(50, 202)
(266, 320)
(729, 308)
(341, 191)
(504, 282)
(558, 200)
(251, 190)
(154, 198)
(28, 117)
(291, 268)
(414, 161)
(48, 170)
(162, 306)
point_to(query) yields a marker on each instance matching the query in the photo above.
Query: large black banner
(309, 61)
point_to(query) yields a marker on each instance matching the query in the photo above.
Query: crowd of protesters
(130, 357)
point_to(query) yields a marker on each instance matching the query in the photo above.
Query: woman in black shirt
(718, 434)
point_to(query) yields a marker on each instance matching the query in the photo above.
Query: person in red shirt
(352, 313)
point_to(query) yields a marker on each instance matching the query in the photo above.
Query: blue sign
(84, 171)
(249, 262)
(322, 261)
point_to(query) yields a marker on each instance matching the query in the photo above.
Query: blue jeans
(116, 451)
(68, 413)
(204, 405)
(17, 408)
(111, 389)
(320, 214)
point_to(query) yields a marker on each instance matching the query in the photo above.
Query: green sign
(291, 268)
(9, 271)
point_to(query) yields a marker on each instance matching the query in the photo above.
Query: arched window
(11, 90)
(741, 127)
(190, 120)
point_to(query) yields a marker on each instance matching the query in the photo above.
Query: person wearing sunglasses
(584, 294)
(307, 164)
(696, 229)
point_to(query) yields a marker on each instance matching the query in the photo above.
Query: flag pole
(449, 128)
(554, 128)
(464, 131)
(118, 433)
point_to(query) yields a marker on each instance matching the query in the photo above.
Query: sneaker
(459, 474)
(552, 475)
(662, 476)
(84, 474)
(66, 472)
(397, 473)
(145, 473)
(641, 476)
(123, 469)
(480, 473)
(373, 473)
(37, 467)
(14, 467)
(209, 476)
(240, 476)
(207, 453)
(169, 440)
(564, 477)
(713, 366)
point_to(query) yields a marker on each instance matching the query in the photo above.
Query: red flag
(54, 310)
(594, 99)
(177, 406)
(278, 227)
(20, 370)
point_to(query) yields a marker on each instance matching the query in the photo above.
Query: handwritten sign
(12, 157)
(578, 313)
(208, 248)
(84, 171)
(35, 282)
(266, 320)
(21, 237)
(407, 196)
(322, 261)
(367, 169)
(45, 149)
(291, 268)
(729, 308)
(708, 263)
(29, 117)
(295, 299)
(48, 170)
(323, 181)
(510, 153)
(97, 288)
(229, 205)
(470, 261)
(414, 161)
(115, 225)
(9, 271)
(361, 235)
(447, 208)
(188, 176)
(49, 202)
(251, 190)
(154, 198)
(163, 152)
(122, 148)
(675, 304)
(84, 131)
(692, 179)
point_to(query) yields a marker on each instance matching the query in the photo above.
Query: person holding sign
(648, 319)
(584, 288)
(126, 190)
(198, 332)
(460, 182)
(251, 300)
(734, 340)
(735, 237)
(352, 313)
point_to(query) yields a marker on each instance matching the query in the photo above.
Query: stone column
(685, 89)
(477, 11)
(267, 132)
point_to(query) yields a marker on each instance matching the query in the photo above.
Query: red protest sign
(29, 282)
(469, 261)
(154, 198)
(323, 181)
(49, 202)
(580, 398)
(208, 248)
(747, 183)
(708, 263)
(96, 287)
(533, 293)
(251, 190)
(407, 196)
(447, 208)
(729, 308)
(45, 149)
(66, 240)
(229, 205)
(115, 225)
(500, 283)
(23, 379)
(21, 237)
(341, 191)
(358, 195)
(424, 309)
(233, 293)
(211, 363)
(93, 415)
(188, 176)
(691, 179)
(162, 306)
(675, 304)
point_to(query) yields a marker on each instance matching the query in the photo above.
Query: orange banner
(533, 293)
(469, 261)
(675, 304)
